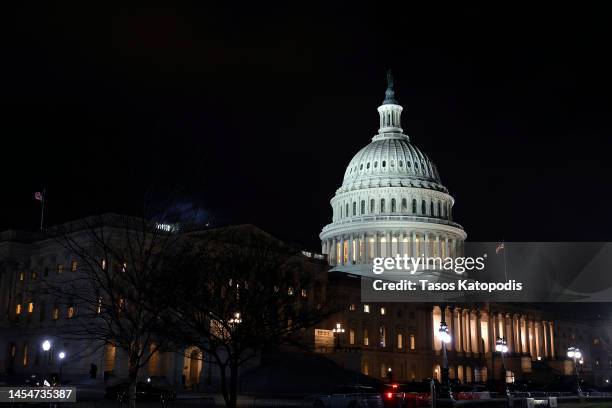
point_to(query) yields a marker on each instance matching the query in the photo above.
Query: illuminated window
(21, 276)
(383, 311)
(382, 336)
(290, 291)
(55, 313)
(412, 342)
(400, 341)
(383, 370)
(366, 308)
(366, 337)
(304, 293)
(124, 267)
(351, 336)
(33, 275)
(18, 309)
(59, 268)
(366, 367)
(103, 264)
(74, 266)
(352, 307)
(70, 312)
(25, 355)
(30, 307)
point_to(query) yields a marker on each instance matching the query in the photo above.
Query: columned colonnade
(476, 331)
(361, 248)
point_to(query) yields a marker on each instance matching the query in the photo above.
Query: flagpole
(42, 209)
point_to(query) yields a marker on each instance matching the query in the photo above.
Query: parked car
(144, 392)
(412, 394)
(350, 396)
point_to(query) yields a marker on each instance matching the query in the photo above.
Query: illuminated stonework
(391, 202)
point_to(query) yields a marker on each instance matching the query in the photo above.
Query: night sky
(252, 114)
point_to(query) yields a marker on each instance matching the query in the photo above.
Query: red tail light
(388, 395)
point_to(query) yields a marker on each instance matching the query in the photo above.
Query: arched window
(368, 165)
(393, 207)
(384, 163)
(439, 209)
(444, 209)
(382, 205)
(362, 207)
(346, 213)
(408, 164)
(414, 205)
(404, 205)
(372, 205)
(423, 208)
(354, 208)
(375, 164)
(361, 166)
(431, 208)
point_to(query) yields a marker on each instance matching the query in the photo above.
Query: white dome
(391, 201)
(391, 161)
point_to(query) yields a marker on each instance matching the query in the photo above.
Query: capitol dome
(391, 201)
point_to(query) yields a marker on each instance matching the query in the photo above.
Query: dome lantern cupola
(390, 111)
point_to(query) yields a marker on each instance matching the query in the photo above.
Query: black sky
(253, 114)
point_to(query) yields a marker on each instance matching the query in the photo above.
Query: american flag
(38, 196)
(500, 247)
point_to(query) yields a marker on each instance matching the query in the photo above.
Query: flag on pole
(500, 247)
(38, 196)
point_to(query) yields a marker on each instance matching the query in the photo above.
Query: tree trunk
(133, 377)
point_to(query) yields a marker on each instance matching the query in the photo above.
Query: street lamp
(445, 338)
(337, 331)
(61, 356)
(46, 345)
(575, 354)
(501, 346)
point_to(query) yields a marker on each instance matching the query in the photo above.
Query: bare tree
(240, 291)
(114, 292)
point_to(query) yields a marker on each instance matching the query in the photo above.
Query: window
(25, 355)
(290, 291)
(423, 207)
(412, 342)
(372, 205)
(382, 205)
(18, 309)
(383, 370)
(382, 336)
(354, 208)
(431, 209)
(595, 340)
(346, 213)
(30, 307)
(368, 165)
(352, 307)
(103, 264)
(414, 205)
(366, 337)
(384, 163)
(375, 164)
(366, 308)
(351, 336)
(362, 206)
(404, 205)
(55, 313)
(74, 266)
(439, 209)
(59, 268)
(304, 293)
(393, 207)
(21, 276)
(400, 341)
(70, 312)
(401, 163)
(124, 267)
(33, 274)
(383, 311)
(361, 166)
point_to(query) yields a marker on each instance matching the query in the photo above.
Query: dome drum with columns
(391, 201)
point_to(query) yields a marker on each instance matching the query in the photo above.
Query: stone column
(401, 248)
(457, 328)
(552, 339)
(342, 250)
(389, 244)
(448, 317)
(467, 346)
(363, 254)
(479, 331)
(350, 250)
(545, 338)
(333, 252)
(510, 333)
(376, 244)
(366, 249)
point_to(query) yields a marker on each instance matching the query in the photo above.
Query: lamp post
(501, 345)
(61, 356)
(445, 337)
(575, 354)
(337, 331)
